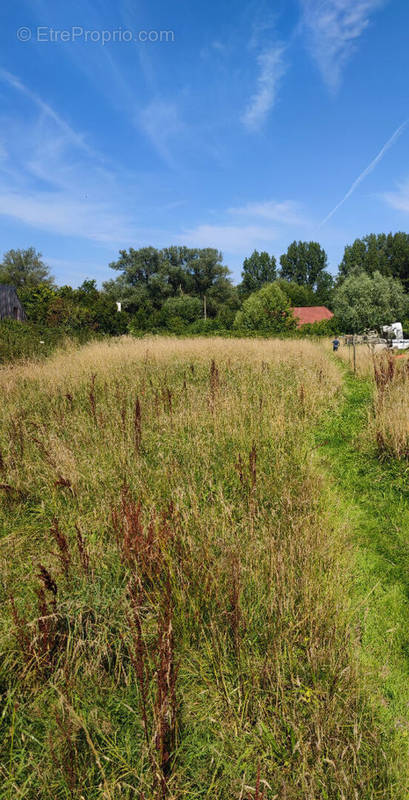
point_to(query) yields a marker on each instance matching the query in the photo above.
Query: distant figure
(335, 345)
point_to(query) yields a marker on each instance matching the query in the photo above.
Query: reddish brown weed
(82, 550)
(63, 547)
(92, 399)
(138, 424)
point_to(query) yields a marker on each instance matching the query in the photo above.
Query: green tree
(25, 268)
(267, 311)
(384, 253)
(324, 290)
(207, 272)
(88, 292)
(366, 301)
(304, 263)
(297, 295)
(258, 269)
(151, 276)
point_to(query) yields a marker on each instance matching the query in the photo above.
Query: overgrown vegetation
(189, 292)
(27, 340)
(389, 426)
(176, 595)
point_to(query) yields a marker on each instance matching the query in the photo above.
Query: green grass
(372, 497)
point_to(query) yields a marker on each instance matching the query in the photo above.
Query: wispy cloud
(76, 138)
(367, 171)
(236, 239)
(272, 67)
(287, 213)
(255, 225)
(399, 199)
(161, 123)
(53, 181)
(333, 28)
(68, 215)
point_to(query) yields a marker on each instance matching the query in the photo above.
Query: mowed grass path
(372, 497)
(182, 611)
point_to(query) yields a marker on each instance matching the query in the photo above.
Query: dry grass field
(176, 616)
(389, 415)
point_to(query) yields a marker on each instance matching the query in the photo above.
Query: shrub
(326, 327)
(26, 340)
(266, 311)
(186, 308)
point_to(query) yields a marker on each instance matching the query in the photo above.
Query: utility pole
(354, 356)
(204, 307)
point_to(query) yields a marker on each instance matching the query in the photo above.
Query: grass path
(373, 498)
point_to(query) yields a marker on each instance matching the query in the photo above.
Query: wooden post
(204, 307)
(354, 356)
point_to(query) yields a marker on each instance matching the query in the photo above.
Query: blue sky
(244, 125)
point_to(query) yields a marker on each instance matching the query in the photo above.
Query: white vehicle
(394, 335)
(394, 331)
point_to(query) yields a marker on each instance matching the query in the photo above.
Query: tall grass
(176, 618)
(364, 355)
(388, 418)
(390, 422)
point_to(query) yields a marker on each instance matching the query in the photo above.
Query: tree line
(189, 290)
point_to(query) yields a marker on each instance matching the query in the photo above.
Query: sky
(231, 124)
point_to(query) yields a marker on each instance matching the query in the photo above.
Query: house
(310, 314)
(10, 305)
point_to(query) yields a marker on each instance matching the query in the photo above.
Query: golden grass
(389, 425)
(364, 358)
(181, 623)
(75, 363)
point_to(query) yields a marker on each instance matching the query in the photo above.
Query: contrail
(16, 83)
(366, 171)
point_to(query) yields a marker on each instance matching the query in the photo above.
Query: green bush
(266, 311)
(184, 307)
(72, 310)
(326, 327)
(21, 340)
(26, 340)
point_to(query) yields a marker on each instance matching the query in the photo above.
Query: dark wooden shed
(10, 305)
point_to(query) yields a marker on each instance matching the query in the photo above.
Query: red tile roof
(311, 314)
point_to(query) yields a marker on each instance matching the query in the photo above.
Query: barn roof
(309, 314)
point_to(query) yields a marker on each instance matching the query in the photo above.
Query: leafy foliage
(266, 311)
(21, 340)
(297, 295)
(365, 301)
(152, 276)
(25, 268)
(384, 253)
(326, 327)
(258, 269)
(304, 263)
(73, 309)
